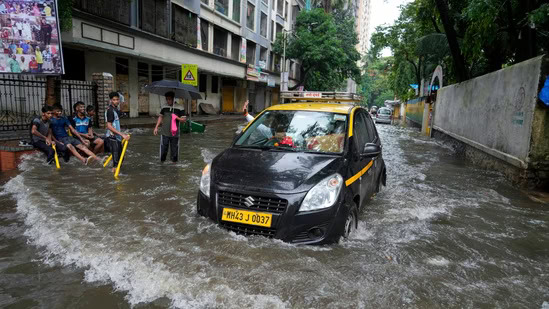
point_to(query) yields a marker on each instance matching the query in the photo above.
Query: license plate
(247, 217)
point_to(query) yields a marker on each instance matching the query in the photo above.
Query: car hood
(272, 171)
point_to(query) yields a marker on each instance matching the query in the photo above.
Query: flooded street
(442, 234)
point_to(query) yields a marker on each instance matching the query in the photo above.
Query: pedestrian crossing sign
(189, 74)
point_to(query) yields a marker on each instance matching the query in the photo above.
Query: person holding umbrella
(169, 134)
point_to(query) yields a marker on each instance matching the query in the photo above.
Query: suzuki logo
(249, 201)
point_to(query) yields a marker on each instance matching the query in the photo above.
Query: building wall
(495, 112)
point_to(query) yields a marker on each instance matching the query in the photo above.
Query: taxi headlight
(205, 181)
(323, 195)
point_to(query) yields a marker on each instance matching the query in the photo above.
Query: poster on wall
(30, 37)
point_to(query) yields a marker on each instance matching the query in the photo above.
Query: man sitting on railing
(41, 136)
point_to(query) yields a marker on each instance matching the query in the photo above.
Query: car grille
(248, 230)
(261, 203)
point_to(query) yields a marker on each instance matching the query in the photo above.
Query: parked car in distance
(384, 115)
(373, 111)
(298, 172)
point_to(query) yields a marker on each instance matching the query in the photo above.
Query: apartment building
(141, 41)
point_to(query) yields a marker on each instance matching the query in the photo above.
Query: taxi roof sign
(320, 96)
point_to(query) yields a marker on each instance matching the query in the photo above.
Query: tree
(324, 47)
(375, 86)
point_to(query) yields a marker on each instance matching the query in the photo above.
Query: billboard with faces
(30, 37)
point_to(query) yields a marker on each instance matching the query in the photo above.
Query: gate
(22, 98)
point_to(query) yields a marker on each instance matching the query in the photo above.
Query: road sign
(189, 74)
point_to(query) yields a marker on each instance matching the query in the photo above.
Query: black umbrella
(181, 90)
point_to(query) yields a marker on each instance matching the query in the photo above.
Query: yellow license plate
(247, 217)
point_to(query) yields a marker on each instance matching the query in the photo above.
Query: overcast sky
(385, 12)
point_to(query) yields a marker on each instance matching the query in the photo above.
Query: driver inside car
(273, 128)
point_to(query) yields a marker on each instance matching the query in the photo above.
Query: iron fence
(22, 98)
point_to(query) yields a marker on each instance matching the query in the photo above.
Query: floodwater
(442, 234)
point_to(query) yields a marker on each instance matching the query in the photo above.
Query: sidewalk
(150, 122)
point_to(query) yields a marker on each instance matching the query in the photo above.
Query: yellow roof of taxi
(314, 107)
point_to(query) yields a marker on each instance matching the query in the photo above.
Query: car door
(368, 178)
(373, 137)
(360, 165)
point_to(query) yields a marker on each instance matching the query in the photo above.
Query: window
(184, 26)
(250, 53)
(270, 65)
(235, 47)
(205, 2)
(116, 10)
(266, 2)
(236, 10)
(278, 29)
(276, 63)
(287, 10)
(152, 16)
(122, 65)
(222, 6)
(280, 7)
(250, 16)
(371, 128)
(202, 82)
(215, 84)
(143, 69)
(157, 72)
(360, 131)
(263, 25)
(220, 42)
(263, 52)
(173, 73)
(204, 30)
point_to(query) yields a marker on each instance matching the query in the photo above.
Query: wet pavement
(442, 234)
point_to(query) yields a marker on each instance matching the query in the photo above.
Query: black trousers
(114, 147)
(50, 153)
(173, 143)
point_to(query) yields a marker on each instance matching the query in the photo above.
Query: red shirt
(33, 64)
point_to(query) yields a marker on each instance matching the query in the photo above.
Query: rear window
(384, 112)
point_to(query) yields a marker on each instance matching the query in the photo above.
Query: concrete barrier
(499, 114)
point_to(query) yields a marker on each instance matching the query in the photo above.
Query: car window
(360, 131)
(369, 128)
(384, 111)
(296, 131)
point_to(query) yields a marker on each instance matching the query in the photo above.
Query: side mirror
(371, 150)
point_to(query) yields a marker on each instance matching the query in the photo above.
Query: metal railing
(22, 98)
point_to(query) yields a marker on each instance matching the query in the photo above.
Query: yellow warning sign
(189, 74)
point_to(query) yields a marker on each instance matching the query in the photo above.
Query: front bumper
(315, 227)
(383, 120)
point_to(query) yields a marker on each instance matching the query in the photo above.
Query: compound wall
(498, 113)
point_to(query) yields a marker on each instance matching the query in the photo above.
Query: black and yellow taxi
(299, 172)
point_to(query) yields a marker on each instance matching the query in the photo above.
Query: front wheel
(351, 223)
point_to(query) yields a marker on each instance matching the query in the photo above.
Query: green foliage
(325, 47)
(375, 86)
(65, 14)
(491, 34)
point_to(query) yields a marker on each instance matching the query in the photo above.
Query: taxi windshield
(306, 131)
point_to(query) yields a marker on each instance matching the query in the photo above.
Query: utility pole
(283, 77)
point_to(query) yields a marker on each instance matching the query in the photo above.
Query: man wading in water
(169, 135)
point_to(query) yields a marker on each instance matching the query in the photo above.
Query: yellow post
(55, 155)
(107, 161)
(121, 159)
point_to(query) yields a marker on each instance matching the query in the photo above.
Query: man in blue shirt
(59, 126)
(83, 127)
(114, 136)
